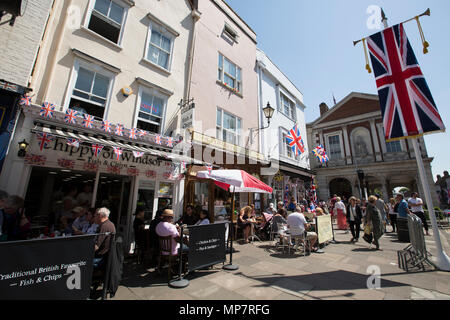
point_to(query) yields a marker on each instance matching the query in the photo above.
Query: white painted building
(286, 169)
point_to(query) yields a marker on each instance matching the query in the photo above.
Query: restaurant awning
(66, 133)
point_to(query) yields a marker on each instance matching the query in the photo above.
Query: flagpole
(442, 260)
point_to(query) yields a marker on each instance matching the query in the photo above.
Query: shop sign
(85, 155)
(324, 228)
(65, 163)
(56, 268)
(187, 119)
(206, 245)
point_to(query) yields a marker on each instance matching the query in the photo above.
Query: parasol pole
(442, 260)
(230, 266)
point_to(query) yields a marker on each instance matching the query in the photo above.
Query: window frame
(88, 16)
(237, 133)
(293, 106)
(166, 32)
(384, 143)
(222, 72)
(154, 93)
(90, 66)
(341, 143)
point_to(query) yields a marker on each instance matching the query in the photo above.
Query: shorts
(311, 234)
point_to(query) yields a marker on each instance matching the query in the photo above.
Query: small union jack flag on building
(132, 133)
(47, 110)
(25, 101)
(295, 141)
(44, 139)
(142, 133)
(137, 154)
(88, 121)
(73, 142)
(70, 116)
(106, 126)
(118, 152)
(119, 130)
(169, 142)
(158, 139)
(97, 148)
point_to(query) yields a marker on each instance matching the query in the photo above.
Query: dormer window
(229, 31)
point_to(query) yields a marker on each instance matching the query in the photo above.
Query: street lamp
(268, 113)
(361, 180)
(23, 145)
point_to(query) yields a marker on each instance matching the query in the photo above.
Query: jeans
(184, 249)
(98, 262)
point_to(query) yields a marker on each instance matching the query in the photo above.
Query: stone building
(353, 136)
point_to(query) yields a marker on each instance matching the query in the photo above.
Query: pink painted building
(223, 80)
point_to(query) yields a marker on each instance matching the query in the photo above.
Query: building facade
(223, 86)
(353, 136)
(122, 66)
(289, 174)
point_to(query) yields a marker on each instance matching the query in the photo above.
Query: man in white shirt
(297, 225)
(416, 205)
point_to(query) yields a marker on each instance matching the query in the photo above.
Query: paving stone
(232, 282)
(292, 287)
(259, 292)
(364, 294)
(287, 296)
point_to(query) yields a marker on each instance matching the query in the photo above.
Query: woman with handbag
(374, 221)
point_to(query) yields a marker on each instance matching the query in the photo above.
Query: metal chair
(300, 239)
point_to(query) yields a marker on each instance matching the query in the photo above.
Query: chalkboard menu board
(206, 245)
(57, 268)
(324, 228)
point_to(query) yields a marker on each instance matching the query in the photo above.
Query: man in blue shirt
(403, 209)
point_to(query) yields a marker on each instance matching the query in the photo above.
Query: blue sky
(312, 43)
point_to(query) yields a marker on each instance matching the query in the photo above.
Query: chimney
(323, 108)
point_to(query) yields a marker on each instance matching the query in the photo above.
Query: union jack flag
(142, 133)
(320, 153)
(406, 102)
(133, 133)
(73, 142)
(169, 142)
(118, 152)
(119, 130)
(295, 141)
(25, 101)
(88, 121)
(47, 110)
(158, 139)
(106, 126)
(43, 139)
(70, 116)
(97, 148)
(137, 154)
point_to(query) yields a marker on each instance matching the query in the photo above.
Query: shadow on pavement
(323, 281)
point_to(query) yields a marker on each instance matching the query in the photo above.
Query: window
(230, 74)
(227, 30)
(159, 47)
(151, 111)
(107, 19)
(394, 146)
(334, 149)
(287, 150)
(90, 92)
(228, 127)
(287, 107)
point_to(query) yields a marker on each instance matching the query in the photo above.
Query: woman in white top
(392, 214)
(203, 218)
(340, 212)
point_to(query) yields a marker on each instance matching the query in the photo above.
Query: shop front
(58, 174)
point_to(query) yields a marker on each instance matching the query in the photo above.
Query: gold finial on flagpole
(367, 57)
